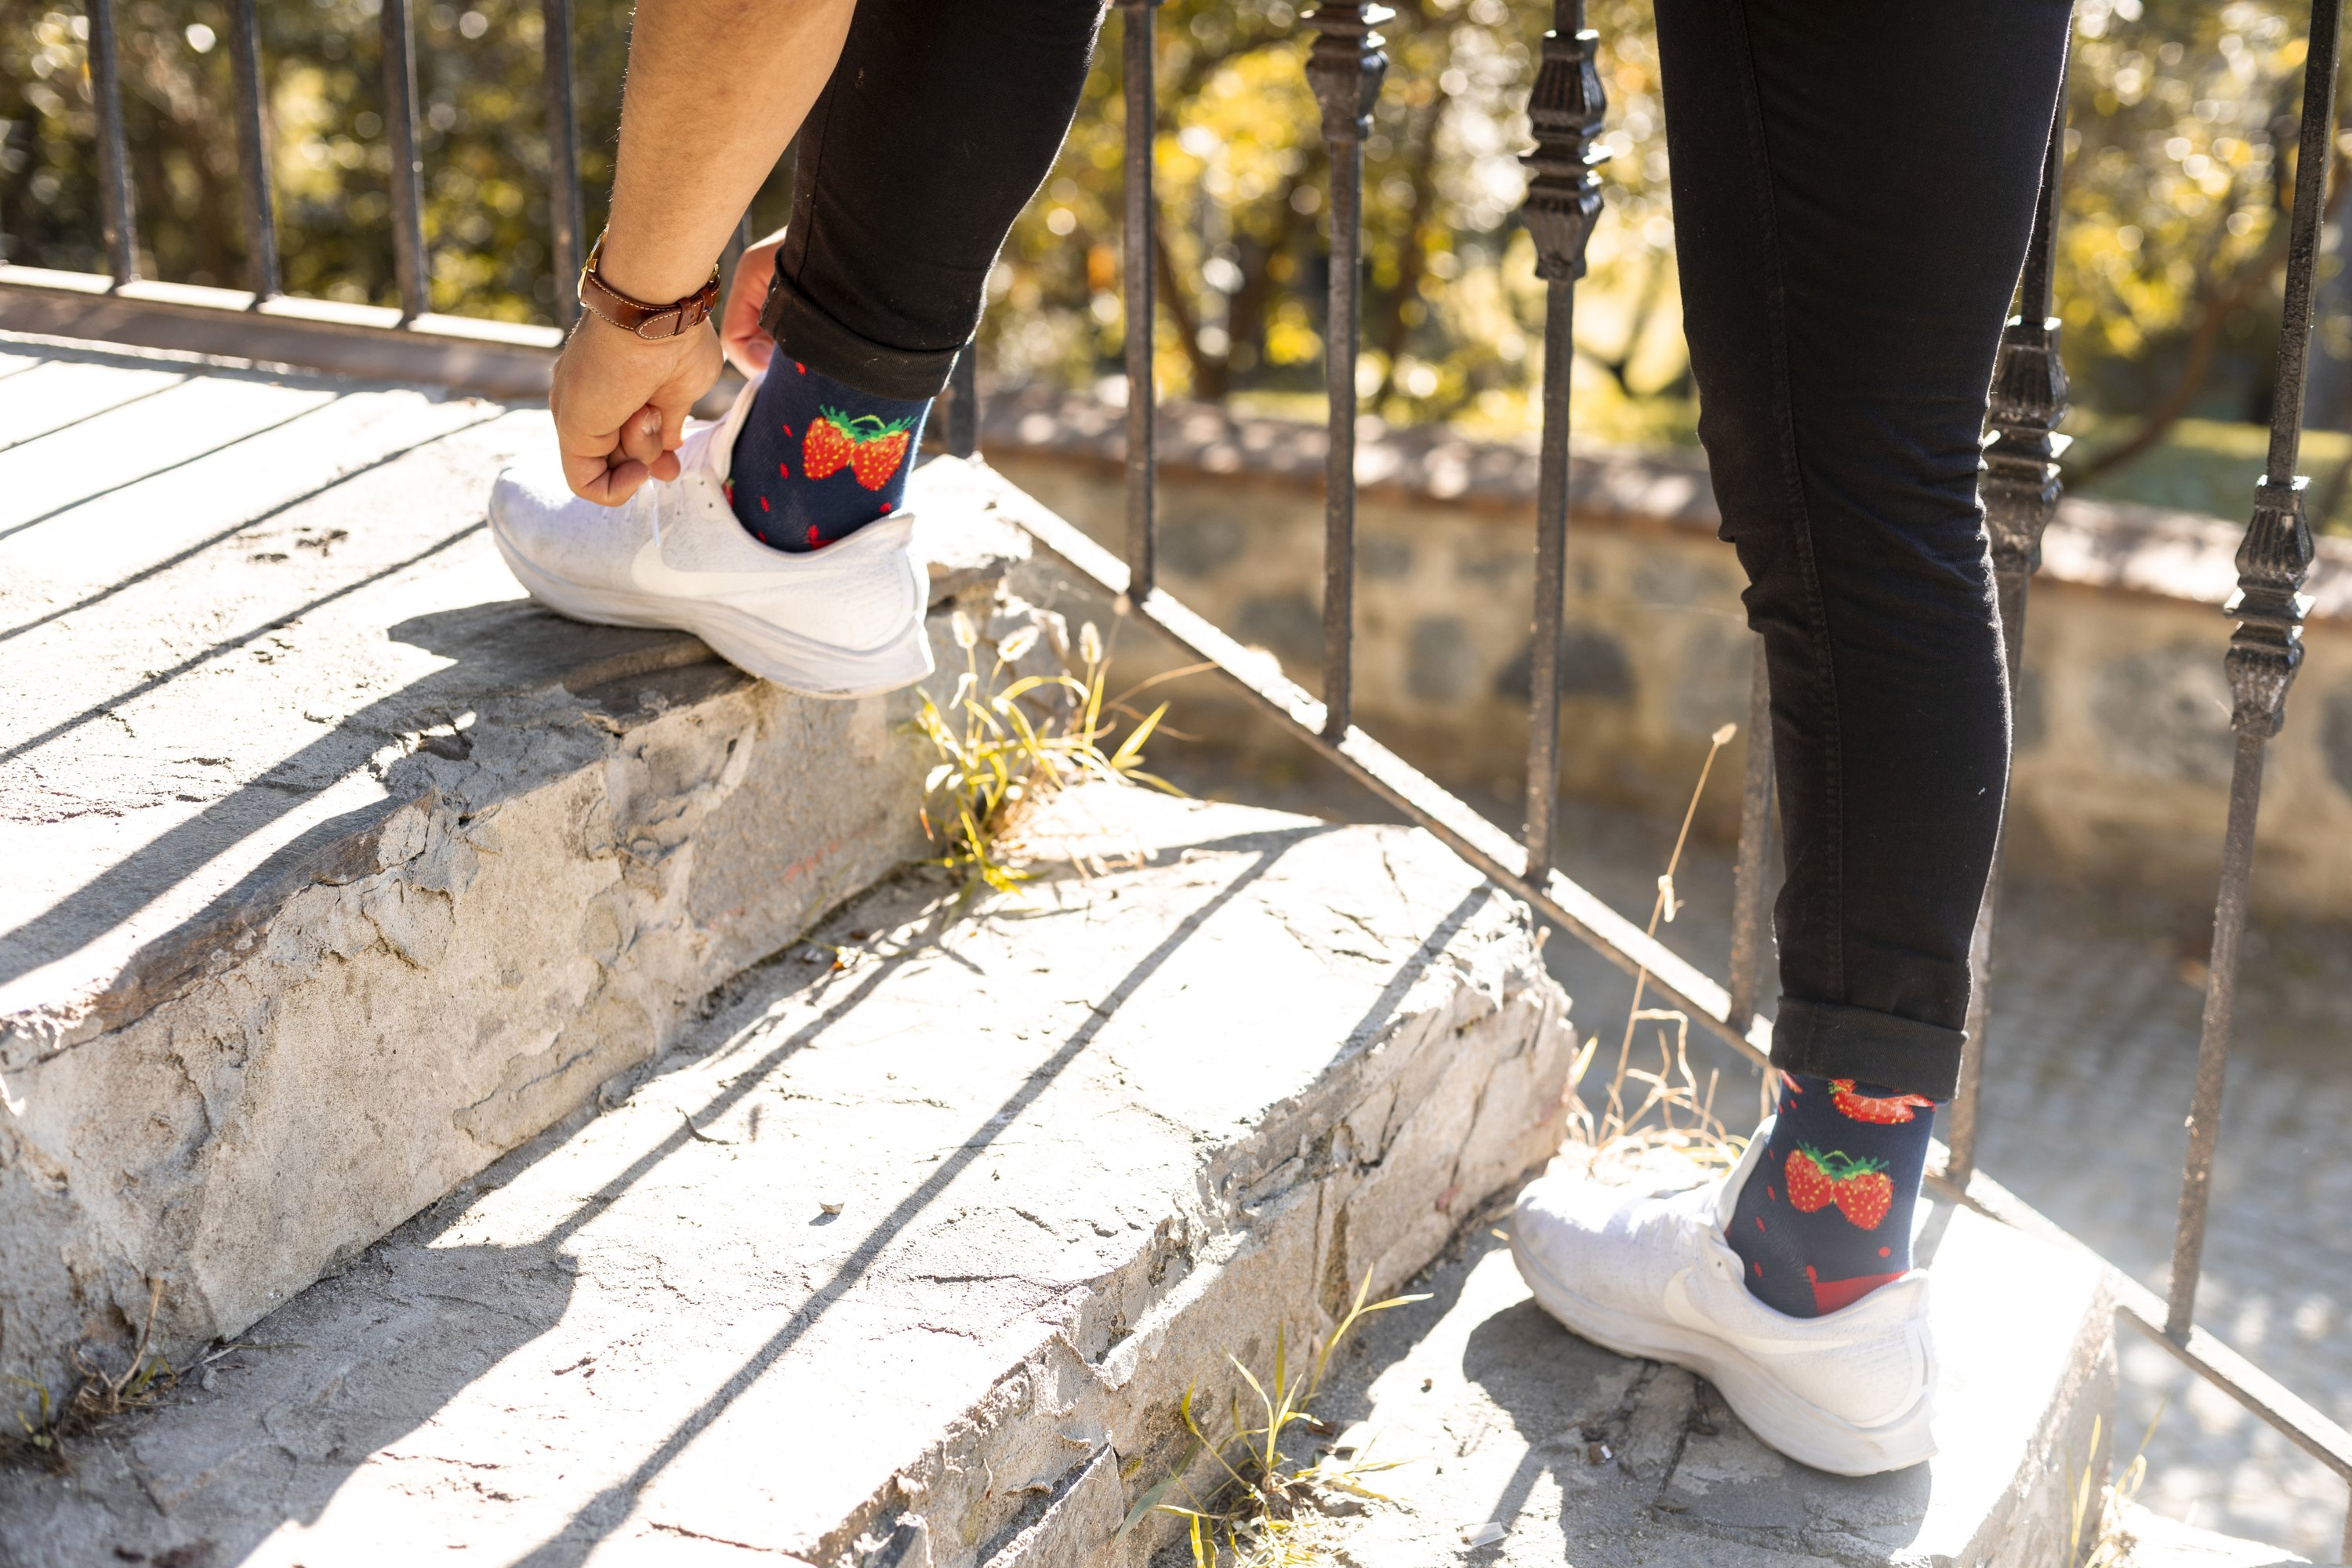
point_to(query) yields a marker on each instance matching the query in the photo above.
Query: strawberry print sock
(816, 460)
(1825, 1217)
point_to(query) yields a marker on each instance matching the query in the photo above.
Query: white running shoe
(843, 621)
(1852, 1392)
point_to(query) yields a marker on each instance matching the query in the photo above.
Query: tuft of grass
(1651, 1116)
(1007, 746)
(100, 1394)
(1266, 1510)
(2112, 1544)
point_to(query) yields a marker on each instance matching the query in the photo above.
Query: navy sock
(816, 460)
(1825, 1217)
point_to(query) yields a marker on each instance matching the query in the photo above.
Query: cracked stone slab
(903, 1256)
(1494, 1414)
(338, 869)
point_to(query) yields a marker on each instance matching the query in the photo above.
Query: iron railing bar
(730, 254)
(2314, 152)
(2264, 651)
(407, 172)
(1550, 579)
(1136, 261)
(2021, 487)
(963, 403)
(253, 150)
(1748, 889)
(1565, 107)
(1344, 66)
(1563, 902)
(116, 205)
(565, 210)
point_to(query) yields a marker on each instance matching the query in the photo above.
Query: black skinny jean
(1854, 186)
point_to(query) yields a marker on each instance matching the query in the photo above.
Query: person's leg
(939, 124)
(1853, 186)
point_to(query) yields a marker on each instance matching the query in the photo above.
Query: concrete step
(336, 869)
(2148, 1540)
(1563, 1451)
(902, 1258)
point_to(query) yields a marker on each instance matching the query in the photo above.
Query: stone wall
(2124, 745)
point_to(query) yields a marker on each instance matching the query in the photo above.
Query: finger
(621, 481)
(667, 467)
(641, 435)
(606, 484)
(586, 459)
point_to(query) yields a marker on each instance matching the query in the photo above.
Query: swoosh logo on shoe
(650, 573)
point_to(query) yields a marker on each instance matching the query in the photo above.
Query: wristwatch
(651, 322)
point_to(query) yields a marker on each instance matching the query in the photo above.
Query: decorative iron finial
(1563, 199)
(1346, 67)
(2020, 482)
(2269, 607)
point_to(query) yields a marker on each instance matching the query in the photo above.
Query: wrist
(643, 273)
(653, 320)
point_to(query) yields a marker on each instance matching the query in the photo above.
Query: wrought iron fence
(1345, 68)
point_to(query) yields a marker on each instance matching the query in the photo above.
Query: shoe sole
(1796, 1426)
(751, 645)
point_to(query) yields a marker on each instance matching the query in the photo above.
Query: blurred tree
(2178, 169)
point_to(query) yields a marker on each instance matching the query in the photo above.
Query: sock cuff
(1829, 1041)
(803, 332)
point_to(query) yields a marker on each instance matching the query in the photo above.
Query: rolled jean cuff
(806, 335)
(1902, 1054)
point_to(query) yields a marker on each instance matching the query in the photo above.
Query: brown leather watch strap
(634, 316)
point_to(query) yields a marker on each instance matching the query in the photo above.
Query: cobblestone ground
(2092, 1056)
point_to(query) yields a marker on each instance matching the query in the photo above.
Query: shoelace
(690, 454)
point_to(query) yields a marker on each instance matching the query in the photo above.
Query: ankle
(1825, 1218)
(817, 460)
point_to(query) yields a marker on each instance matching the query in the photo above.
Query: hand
(620, 403)
(748, 348)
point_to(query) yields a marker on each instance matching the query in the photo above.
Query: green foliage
(1005, 749)
(2180, 153)
(1262, 1506)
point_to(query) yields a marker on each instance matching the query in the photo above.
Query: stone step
(336, 868)
(905, 1256)
(1501, 1418)
(2149, 1540)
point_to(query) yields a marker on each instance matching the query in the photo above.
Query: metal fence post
(2021, 489)
(1345, 68)
(253, 148)
(1136, 261)
(563, 203)
(963, 403)
(2264, 651)
(399, 60)
(1563, 203)
(115, 203)
(1750, 872)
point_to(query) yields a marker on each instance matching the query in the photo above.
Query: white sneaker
(1851, 1392)
(843, 621)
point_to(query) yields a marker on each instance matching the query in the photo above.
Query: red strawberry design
(876, 458)
(1886, 1110)
(825, 451)
(1861, 1189)
(1864, 1197)
(1810, 1186)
